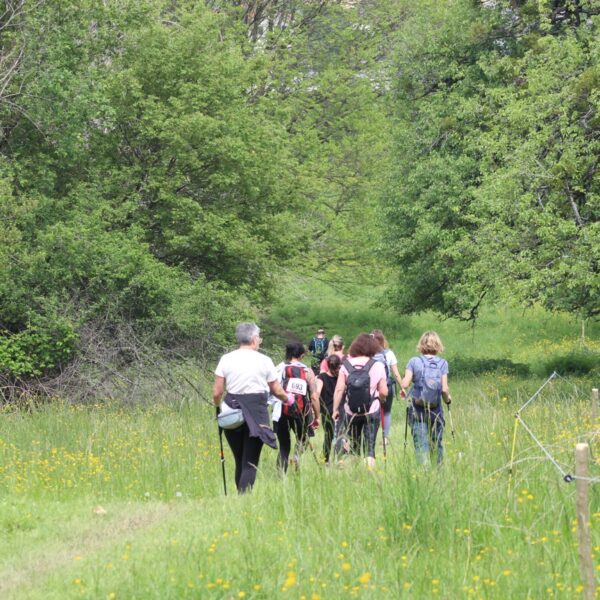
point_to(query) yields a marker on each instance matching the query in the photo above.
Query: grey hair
(244, 332)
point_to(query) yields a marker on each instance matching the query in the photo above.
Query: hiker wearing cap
(387, 357)
(300, 412)
(362, 383)
(246, 376)
(318, 348)
(336, 346)
(429, 375)
(326, 382)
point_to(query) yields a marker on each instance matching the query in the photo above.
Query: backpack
(295, 384)
(358, 387)
(431, 381)
(320, 347)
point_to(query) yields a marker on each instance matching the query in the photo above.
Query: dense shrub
(468, 365)
(576, 362)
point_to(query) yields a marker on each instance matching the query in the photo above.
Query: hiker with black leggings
(362, 394)
(300, 413)
(326, 381)
(247, 376)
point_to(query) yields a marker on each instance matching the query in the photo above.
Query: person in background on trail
(247, 376)
(326, 382)
(390, 362)
(300, 412)
(362, 383)
(318, 347)
(336, 346)
(429, 375)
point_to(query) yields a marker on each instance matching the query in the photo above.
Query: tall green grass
(120, 501)
(507, 337)
(464, 530)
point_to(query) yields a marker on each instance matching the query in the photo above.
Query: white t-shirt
(390, 358)
(246, 371)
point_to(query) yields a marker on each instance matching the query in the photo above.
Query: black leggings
(328, 430)
(363, 433)
(282, 431)
(246, 451)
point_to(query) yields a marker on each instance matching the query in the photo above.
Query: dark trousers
(363, 433)
(246, 452)
(328, 430)
(282, 430)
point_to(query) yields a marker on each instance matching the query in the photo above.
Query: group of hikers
(347, 393)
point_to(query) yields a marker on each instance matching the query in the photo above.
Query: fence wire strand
(566, 476)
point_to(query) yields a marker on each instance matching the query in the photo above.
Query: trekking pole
(382, 432)
(406, 429)
(451, 423)
(222, 454)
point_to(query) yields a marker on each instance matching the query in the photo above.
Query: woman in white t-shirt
(247, 376)
(389, 360)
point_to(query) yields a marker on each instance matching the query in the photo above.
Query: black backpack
(358, 387)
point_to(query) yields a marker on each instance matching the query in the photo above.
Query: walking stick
(382, 432)
(406, 429)
(222, 454)
(451, 423)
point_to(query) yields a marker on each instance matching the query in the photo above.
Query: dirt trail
(102, 531)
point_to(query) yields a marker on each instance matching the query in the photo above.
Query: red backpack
(295, 384)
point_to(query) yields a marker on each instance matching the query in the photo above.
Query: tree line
(164, 164)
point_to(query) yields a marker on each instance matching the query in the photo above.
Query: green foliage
(495, 184)
(166, 162)
(576, 362)
(42, 347)
(468, 365)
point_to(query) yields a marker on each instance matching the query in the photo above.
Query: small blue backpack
(431, 381)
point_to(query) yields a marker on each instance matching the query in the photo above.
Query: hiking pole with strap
(222, 454)
(451, 423)
(382, 431)
(405, 396)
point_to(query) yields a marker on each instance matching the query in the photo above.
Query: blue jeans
(427, 431)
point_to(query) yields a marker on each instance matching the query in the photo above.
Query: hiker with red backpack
(362, 386)
(300, 413)
(429, 375)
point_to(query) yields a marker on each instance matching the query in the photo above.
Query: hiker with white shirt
(246, 377)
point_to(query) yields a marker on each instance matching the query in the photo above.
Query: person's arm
(314, 395)
(396, 374)
(218, 389)
(406, 381)
(382, 388)
(319, 386)
(340, 387)
(277, 390)
(446, 390)
(311, 346)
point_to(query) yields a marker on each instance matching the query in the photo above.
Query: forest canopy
(163, 163)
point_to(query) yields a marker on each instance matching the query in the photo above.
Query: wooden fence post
(583, 521)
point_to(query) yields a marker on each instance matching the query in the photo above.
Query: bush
(468, 365)
(576, 362)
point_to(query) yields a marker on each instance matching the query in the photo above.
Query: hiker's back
(428, 372)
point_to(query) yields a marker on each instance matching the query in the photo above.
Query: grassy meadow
(118, 501)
